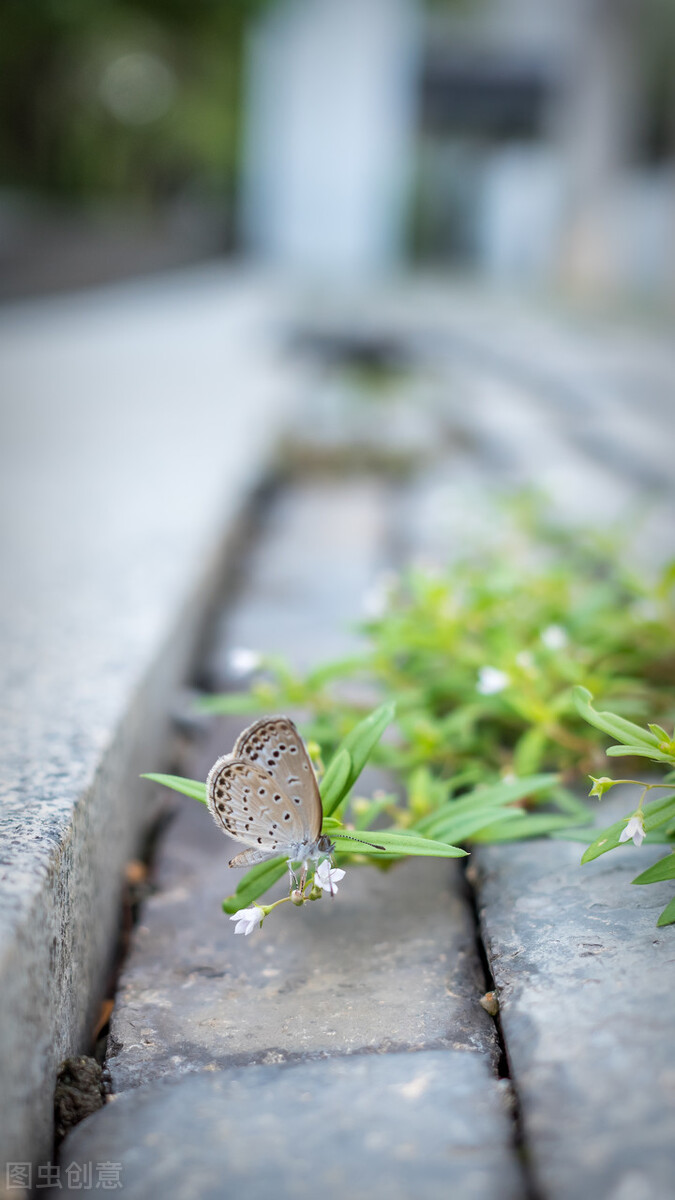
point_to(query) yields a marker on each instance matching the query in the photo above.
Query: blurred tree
(137, 101)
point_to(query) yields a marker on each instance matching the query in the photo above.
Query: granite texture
(585, 983)
(135, 422)
(427, 1125)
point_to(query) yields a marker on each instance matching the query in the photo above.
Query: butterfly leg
(303, 877)
(293, 882)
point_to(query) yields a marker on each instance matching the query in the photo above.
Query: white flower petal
(327, 877)
(634, 829)
(241, 661)
(247, 919)
(491, 680)
(554, 637)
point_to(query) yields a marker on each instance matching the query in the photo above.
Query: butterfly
(266, 795)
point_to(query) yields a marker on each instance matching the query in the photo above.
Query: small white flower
(327, 877)
(241, 661)
(525, 659)
(377, 597)
(554, 637)
(247, 919)
(634, 829)
(491, 680)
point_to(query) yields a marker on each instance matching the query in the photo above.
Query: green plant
(387, 845)
(482, 661)
(650, 822)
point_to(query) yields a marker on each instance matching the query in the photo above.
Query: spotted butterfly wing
(248, 804)
(274, 744)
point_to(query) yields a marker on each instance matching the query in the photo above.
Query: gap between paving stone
(390, 964)
(586, 983)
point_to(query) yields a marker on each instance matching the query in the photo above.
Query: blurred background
(527, 142)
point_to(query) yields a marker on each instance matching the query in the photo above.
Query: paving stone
(427, 1125)
(586, 983)
(135, 422)
(321, 548)
(388, 963)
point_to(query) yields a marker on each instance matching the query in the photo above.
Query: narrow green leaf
(352, 755)
(189, 787)
(568, 802)
(531, 825)
(255, 883)
(317, 678)
(492, 796)
(655, 814)
(571, 835)
(609, 722)
(394, 842)
(657, 838)
(663, 869)
(336, 782)
(459, 828)
(668, 915)
(626, 751)
(362, 739)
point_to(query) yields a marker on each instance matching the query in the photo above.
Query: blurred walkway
(137, 421)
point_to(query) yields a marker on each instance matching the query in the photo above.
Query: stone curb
(125, 468)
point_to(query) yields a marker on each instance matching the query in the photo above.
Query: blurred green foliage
(137, 101)
(482, 661)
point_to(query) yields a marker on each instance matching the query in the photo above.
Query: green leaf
(189, 787)
(394, 842)
(569, 803)
(529, 751)
(657, 838)
(531, 825)
(459, 828)
(352, 755)
(322, 675)
(610, 723)
(660, 733)
(655, 814)
(638, 752)
(668, 915)
(663, 869)
(492, 796)
(255, 883)
(363, 738)
(336, 782)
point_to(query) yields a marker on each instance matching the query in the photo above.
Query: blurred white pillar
(597, 124)
(330, 123)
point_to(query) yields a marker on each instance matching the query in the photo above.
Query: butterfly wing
(250, 805)
(274, 744)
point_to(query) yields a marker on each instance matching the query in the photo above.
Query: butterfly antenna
(362, 842)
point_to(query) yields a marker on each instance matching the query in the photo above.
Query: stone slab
(308, 576)
(428, 1125)
(586, 983)
(388, 963)
(135, 422)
